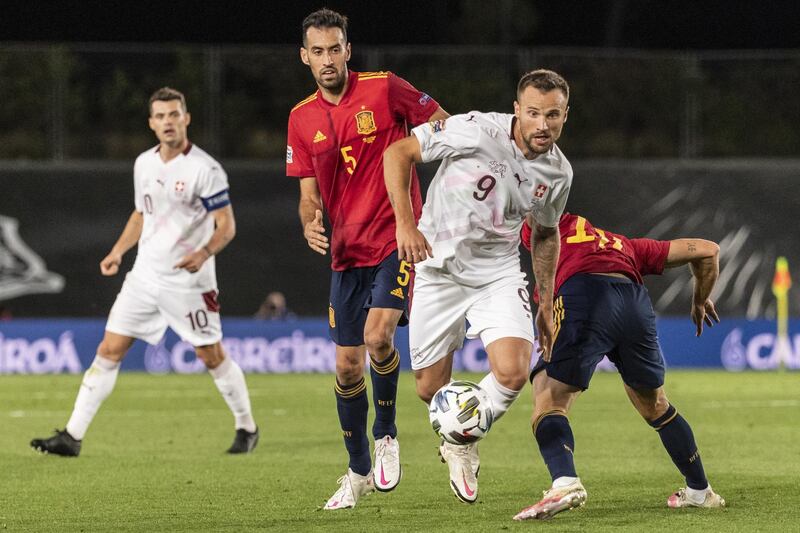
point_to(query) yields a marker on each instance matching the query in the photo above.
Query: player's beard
(335, 85)
(533, 149)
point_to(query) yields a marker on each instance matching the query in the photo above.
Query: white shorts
(143, 310)
(440, 307)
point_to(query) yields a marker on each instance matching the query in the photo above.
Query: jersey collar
(185, 150)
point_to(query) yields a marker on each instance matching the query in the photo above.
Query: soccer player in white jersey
(182, 219)
(497, 169)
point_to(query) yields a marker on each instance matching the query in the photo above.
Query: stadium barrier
(68, 346)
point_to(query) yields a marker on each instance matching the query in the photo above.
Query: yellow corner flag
(781, 284)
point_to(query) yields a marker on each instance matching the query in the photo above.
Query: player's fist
(109, 266)
(412, 246)
(193, 261)
(314, 232)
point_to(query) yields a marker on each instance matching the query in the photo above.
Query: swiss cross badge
(179, 186)
(540, 190)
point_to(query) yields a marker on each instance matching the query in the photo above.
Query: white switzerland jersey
(176, 199)
(483, 190)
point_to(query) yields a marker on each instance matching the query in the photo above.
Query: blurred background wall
(683, 122)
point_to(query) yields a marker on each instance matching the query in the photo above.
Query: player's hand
(412, 246)
(704, 313)
(193, 261)
(109, 266)
(544, 332)
(314, 232)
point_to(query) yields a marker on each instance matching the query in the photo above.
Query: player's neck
(168, 153)
(335, 97)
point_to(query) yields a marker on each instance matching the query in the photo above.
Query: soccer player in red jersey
(602, 309)
(336, 141)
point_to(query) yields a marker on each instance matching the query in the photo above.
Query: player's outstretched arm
(397, 161)
(224, 232)
(310, 211)
(545, 247)
(109, 266)
(702, 256)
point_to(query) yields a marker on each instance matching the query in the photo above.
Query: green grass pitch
(153, 461)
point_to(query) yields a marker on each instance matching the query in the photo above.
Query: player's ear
(151, 123)
(516, 109)
(566, 114)
(349, 51)
(304, 55)
(188, 118)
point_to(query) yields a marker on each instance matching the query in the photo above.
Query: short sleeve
(408, 103)
(212, 187)
(449, 137)
(549, 213)
(299, 163)
(138, 196)
(650, 255)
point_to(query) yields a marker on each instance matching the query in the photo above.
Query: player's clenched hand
(544, 331)
(110, 264)
(704, 313)
(314, 232)
(193, 261)
(412, 246)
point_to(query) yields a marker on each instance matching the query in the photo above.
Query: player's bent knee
(428, 385)
(426, 391)
(349, 372)
(651, 405)
(511, 379)
(114, 348)
(211, 355)
(379, 343)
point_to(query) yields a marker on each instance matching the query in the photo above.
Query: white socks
(502, 397)
(229, 379)
(97, 384)
(563, 481)
(697, 496)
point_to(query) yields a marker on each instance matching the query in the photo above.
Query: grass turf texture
(153, 460)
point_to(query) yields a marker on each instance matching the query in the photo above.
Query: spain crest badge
(365, 122)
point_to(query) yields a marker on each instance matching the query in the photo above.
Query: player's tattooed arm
(412, 246)
(702, 256)
(545, 248)
(224, 232)
(310, 211)
(109, 266)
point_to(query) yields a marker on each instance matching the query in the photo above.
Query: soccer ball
(461, 412)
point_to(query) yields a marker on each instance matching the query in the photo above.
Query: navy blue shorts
(355, 291)
(598, 315)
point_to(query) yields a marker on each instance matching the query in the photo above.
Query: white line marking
(734, 404)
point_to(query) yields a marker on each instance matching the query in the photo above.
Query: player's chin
(332, 83)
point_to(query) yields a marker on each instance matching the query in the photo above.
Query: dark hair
(325, 18)
(544, 80)
(165, 94)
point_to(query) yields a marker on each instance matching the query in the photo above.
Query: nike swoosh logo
(384, 481)
(467, 490)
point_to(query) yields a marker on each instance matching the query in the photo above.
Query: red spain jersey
(342, 147)
(586, 249)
